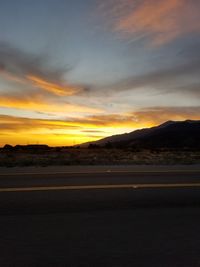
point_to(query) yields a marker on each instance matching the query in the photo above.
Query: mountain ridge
(170, 134)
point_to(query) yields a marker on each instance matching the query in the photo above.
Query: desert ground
(67, 156)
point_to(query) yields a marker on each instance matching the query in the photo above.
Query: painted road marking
(93, 187)
(99, 172)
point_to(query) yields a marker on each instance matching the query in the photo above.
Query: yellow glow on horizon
(18, 130)
(56, 133)
(51, 140)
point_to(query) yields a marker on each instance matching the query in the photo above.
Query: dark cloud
(161, 78)
(34, 70)
(181, 75)
(176, 69)
(13, 60)
(35, 85)
(191, 89)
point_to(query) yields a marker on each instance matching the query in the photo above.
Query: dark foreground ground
(67, 157)
(101, 227)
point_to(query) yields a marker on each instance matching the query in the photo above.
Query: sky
(73, 71)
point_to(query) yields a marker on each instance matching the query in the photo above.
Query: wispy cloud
(183, 77)
(160, 20)
(96, 124)
(53, 87)
(157, 115)
(145, 117)
(35, 85)
(30, 70)
(12, 123)
(38, 103)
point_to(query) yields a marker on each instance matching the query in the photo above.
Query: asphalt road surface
(100, 218)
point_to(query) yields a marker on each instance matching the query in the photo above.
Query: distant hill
(26, 148)
(169, 135)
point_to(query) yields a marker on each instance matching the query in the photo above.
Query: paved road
(105, 177)
(132, 218)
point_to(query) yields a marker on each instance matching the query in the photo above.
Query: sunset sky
(72, 71)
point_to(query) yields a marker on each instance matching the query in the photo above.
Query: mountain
(169, 135)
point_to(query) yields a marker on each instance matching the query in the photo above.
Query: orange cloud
(142, 118)
(158, 115)
(53, 87)
(41, 83)
(39, 100)
(160, 20)
(34, 71)
(37, 103)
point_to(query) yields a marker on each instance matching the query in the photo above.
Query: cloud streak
(158, 115)
(160, 20)
(34, 85)
(141, 118)
(39, 104)
(12, 123)
(90, 124)
(30, 70)
(170, 79)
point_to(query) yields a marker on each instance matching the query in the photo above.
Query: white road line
(97, 172)
(93, 187)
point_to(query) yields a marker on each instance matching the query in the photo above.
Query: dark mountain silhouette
(169, 135)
